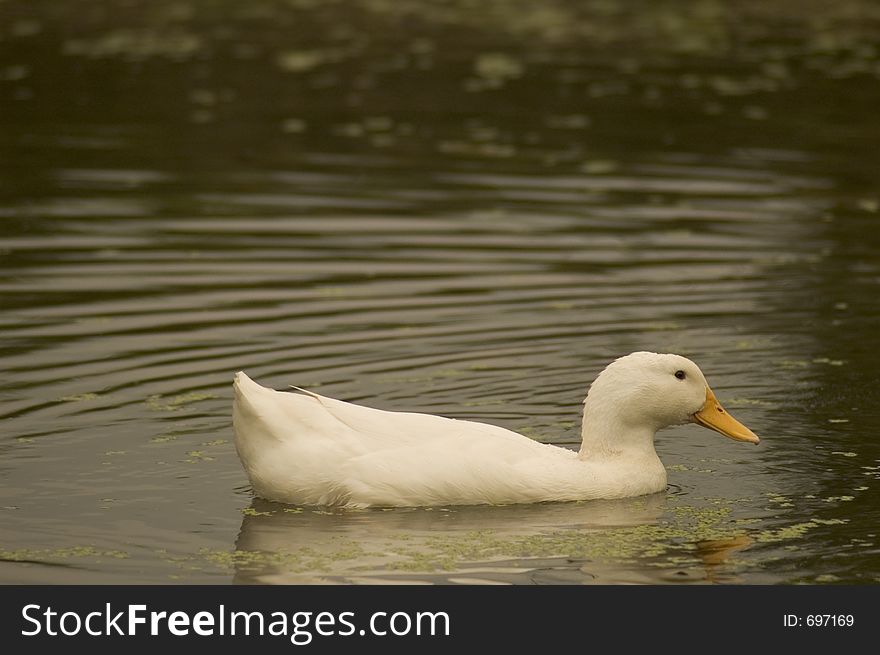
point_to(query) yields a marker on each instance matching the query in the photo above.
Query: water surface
(426, 207)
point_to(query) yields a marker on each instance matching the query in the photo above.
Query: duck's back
(304, 448)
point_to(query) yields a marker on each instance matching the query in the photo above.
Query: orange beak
(715, 417)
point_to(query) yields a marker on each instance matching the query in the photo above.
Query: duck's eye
(680, 375)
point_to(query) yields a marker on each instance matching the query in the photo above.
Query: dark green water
(463, 208)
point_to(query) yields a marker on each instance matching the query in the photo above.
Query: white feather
(304, 448)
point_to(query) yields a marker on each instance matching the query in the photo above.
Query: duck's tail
(245, 391)
(257, 425)
(244, 387)
(253, 400)
(250, 407)
(260, 413)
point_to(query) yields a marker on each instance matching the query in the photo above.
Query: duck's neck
(610, 433)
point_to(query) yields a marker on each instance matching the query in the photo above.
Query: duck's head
(645, 390)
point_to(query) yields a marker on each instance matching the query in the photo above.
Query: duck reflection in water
(607, 541)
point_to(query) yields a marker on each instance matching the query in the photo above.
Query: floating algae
(49, 555)
(159, 403)
(795, 531)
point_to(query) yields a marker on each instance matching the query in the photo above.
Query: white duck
(306, 449)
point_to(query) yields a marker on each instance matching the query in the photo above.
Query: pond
(455, 208)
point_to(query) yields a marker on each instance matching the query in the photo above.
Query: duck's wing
(305, 415)
(309, 449)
